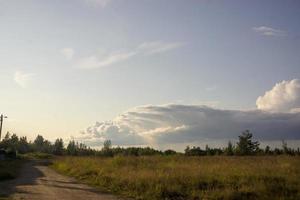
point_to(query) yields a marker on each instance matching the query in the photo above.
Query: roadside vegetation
(189, 177)
(239, 171)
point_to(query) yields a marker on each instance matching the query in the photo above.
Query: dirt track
(39, 182)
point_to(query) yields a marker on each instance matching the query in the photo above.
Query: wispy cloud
(211, 88)
(93, 62)
(23, 79)
(268, 31)
(98, 3)
(146, 48)
(68, 53)
(158, 47)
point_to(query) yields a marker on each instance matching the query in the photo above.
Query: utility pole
(1, 123)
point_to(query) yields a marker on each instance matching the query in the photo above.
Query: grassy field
(180, 177)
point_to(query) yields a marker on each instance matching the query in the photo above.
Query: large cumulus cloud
(188, 123)
(283, 97)
(276, 118)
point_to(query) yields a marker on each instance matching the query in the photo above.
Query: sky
(150, 72)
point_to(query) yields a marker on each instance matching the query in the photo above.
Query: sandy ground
(39, 182)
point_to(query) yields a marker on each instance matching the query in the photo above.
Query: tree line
(245, 146)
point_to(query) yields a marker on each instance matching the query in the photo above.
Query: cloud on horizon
(174, 123)
(268, 31)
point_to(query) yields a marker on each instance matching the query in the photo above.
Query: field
(181, 177)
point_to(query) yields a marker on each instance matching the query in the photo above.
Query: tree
(286, 149)
(187, 150)
(267, 150)
(230, 149)
(23, 146)
(10, 142)
(58, 148)
(246, 146)
(71, 148)
(107, 144)
(39, 143)
(107, 148)
(169, 152)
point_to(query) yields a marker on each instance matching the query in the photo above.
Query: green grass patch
(180, 177)
(36, 155)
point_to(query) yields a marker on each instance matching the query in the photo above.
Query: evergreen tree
(58, 148)
(246, 146)
(230, 149)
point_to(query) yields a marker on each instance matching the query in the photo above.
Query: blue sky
(66, 64)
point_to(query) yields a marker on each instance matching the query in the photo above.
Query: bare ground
(39, 182)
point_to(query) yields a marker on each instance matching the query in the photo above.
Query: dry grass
(180, 177)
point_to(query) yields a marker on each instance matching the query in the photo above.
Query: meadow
(188, 177)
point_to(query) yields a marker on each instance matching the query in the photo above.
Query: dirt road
(39, 182)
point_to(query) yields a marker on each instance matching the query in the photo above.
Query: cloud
(68, 53)
(98, 3)
(161, 125)
(147, 48)
(23, 79)
(211, 88)
(93, 62)
(158, 47)
(268, 31)
(283, 97)
(165, 124)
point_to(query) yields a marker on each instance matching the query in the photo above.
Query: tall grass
(180, 177)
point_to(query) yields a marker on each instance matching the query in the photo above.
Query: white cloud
(183, 124)
(93, 62)
(211, 88)
(268, 31)
(23, 79)
(158, 47)
(166, 124)
(283, 97)
(147, 48)
(98, 3)
(68, 53)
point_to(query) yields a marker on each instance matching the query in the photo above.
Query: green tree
(170, 152)
(39, 143)
(71, 148)
(246, 146)
(23, 146)
(229, 149)
(268, 150)
(58, 148)
(107, 151)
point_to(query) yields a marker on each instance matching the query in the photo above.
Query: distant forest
(12, 144)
